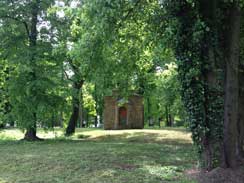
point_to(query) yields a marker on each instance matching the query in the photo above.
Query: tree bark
(241, 114)
(96, 106)
(149, 118)
(171, 119)
(30, 135)
(95, 121)
(61, 119)
(75, 108)
(167, 115)
(207, 10)
(241, 97)
(101, 115)
(80, 108)
(87, 118)
(231, 88)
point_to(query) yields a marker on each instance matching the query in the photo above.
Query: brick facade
(114, 117)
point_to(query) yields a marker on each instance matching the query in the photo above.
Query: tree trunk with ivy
(213, 87)
(196, 50)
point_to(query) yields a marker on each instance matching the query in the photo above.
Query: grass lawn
(97, 156)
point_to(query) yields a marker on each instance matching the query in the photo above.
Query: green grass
(97, 156)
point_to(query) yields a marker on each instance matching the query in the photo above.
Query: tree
(208, 57)
(241, 97)
(168, 92)
(233, 22)
(26, 41)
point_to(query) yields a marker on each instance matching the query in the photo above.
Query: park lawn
(98, 156)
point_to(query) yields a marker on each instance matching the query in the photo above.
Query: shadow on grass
(136, 137)
(180, 129)
(142, 137)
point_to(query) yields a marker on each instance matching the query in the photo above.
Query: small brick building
(120, 113)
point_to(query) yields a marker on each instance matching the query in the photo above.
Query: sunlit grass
(16, 134)
(97, 156)
(156, 135)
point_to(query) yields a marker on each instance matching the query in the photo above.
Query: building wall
(109, 113)
(135, 113)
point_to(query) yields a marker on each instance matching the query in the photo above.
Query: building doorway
(122, 116)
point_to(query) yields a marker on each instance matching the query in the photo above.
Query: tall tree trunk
(148, 111)
(171, 120)
(101, 115)
(31, 130)
(167, 115)
(96, 121)
(241, 96)
(210, 140)
(211, 96)
(81, 109)
(158, 116)
(87, 118)
(75, 108)
(96, 105)
(61, 119)
(241, 113)
(231, 88)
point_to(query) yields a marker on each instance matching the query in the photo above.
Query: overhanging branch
(67, 77)
(17, 20)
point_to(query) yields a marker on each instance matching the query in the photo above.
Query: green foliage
(168, 91)
(34, 72)
(88, 101)
(105, 44)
